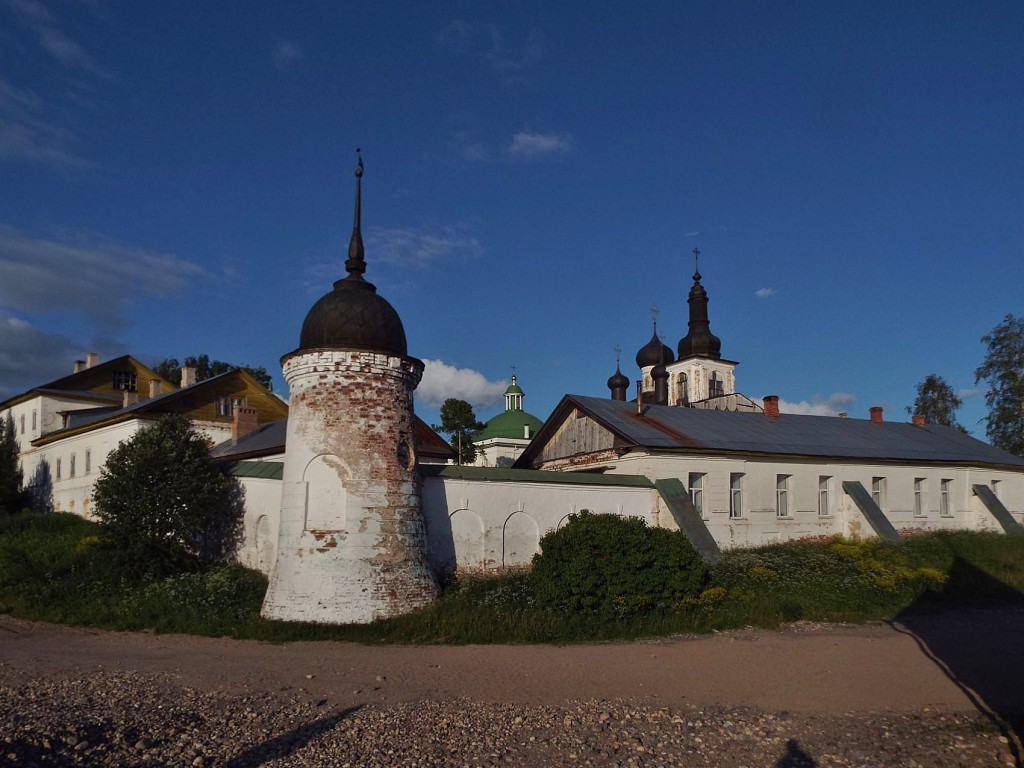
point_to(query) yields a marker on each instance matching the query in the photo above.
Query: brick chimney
(188, 376)
(130, 398)
(876, 414)
(244, 422)
(154, 388)
(918, 420)
(91, 359)
(771, 405)
(843, 414)
(79, 366)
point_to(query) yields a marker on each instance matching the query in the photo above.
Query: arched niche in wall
(325, 494)
(468, 540)
(264, 545)
(520, 540)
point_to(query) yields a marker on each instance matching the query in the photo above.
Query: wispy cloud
(95, 281)
(764, 293)
(467, 147)
(528, 144)
(52, 39)
(285, 53)
(416, 247)
(969, 392)
(692, 233)
(818, 406)
(512, 61)
(26, 134)
(29, 356)
(441, 381)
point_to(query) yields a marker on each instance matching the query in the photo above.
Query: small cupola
(699, 341)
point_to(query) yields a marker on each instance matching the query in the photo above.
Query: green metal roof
(509, 424)
(514, 389)
(268, 470)
(506, 475)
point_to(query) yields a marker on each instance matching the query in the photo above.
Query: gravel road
(810, 695)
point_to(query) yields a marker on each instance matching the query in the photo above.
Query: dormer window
(226, 405)
(125, 381)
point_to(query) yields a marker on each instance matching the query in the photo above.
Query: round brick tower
(351, 547)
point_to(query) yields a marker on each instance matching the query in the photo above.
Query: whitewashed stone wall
(351, 539)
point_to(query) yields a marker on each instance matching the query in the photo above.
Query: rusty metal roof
(669, 428)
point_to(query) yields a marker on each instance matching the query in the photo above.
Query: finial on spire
(618, 356)
(513, 373)
(654, 315)
(696, 264)
(356, 262)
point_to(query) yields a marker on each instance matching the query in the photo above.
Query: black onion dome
(618, 380)
(655, 352)
(353, 316)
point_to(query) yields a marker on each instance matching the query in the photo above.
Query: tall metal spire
(356, 262)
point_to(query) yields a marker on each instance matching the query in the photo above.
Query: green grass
(52, 570)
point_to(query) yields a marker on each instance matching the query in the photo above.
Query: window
(944, 509)
(34, 422)
(683, 395)
(782, 495)
(88, 461)
(918, 497)
(22, 420)
(736, 494)
(878, 491)
(71, 466)
(125, 381)
(716, 387)
(56, 470)
(824, 507)
(697, 492)
(226, 405)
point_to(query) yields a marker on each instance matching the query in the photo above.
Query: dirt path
(967, 664)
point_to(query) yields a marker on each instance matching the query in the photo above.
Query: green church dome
(509, 425)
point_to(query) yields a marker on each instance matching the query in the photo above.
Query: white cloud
(830, 406)
(692, 233)
(26, 134)
(53, 39)
(411, 246)
(441, 381)
(465, 146)
(764, 293)
(969, 392)
(96, 281)
(530, 144)
(29, 356)
(487, 42)
(286, 52)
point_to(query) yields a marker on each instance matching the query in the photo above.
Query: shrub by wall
(615, 566)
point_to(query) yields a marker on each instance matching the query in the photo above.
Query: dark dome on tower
(353, 316)
(654, 352)
(699, 341)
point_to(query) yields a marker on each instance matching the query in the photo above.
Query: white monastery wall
(258, 549)
(480, 525)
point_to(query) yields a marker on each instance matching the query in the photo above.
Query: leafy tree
(937, 402)
(165, 504)
(459, 422)
(10, 469)
(1003, 370)
(206, 368)
(39, 491)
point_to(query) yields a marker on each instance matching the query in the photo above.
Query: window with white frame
(782, 495)
(945, 510)
(683, 390)
(716, 387)
(824, 502)
(697, 491)
(878, 491)
(71, 466)
(918, 497)
(88, 461)
(126, 381)
(35, 415)
(226, 405)
(22, 420)
(736, 494)
(57, 469)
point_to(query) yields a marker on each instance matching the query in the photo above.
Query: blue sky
(176, 178)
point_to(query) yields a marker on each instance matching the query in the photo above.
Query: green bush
(615, 566)
(165, 505)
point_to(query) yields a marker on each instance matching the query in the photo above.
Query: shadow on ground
(285, 744)
(978, 647)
